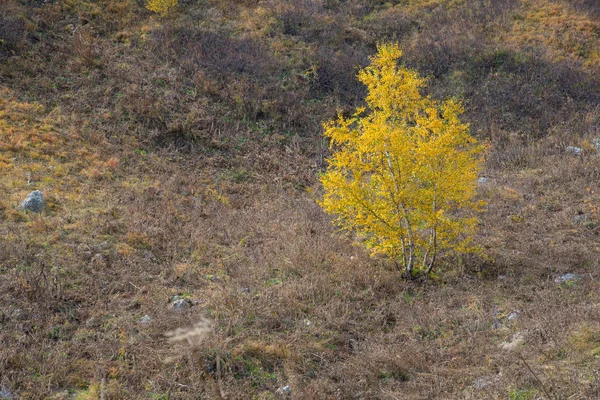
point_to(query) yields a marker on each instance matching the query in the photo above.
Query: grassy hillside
(179, 159)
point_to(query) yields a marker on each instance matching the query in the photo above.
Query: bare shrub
(336, 72)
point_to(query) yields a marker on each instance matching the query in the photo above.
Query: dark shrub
(526, 91)
(592, 7)
(336, 73)
(12, 34)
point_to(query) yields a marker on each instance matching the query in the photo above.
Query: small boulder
(6, 394)
(34, 202)
(567, 278)
(481, 383)
(577, 151)
(146, 319)
(285, 390)
(17, 313)
(513, 315)
(180, 303)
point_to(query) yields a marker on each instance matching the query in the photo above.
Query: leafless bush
(336, 73)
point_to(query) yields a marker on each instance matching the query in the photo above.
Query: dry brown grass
(174, 168)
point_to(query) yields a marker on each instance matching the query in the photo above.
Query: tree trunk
(432, 262)
(410, 266)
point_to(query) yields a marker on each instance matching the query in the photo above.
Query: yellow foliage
(161, 7)
(404, 174)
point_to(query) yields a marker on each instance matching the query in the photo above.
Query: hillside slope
(179, 158)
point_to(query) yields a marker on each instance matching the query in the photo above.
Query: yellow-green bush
(161, 7)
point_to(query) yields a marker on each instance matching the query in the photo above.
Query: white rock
(6, 394)
(513, 315)
(34, 202)
(481, 383)
(145, 319)
(574, 150)
(284, 390)
(180, 304)
(570, 277)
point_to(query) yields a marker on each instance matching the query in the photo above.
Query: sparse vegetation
(179, 161)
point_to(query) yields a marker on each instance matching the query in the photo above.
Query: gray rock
(574, 150)
(570, 277)
(284, 390)
(6, 394)
(145, 319)
(33, 202)
(483, 180)
(513, 315)
(481, 383)
(180, 304)
(596, 144)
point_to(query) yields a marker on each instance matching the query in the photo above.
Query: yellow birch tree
(161, 7)
(404, 171)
